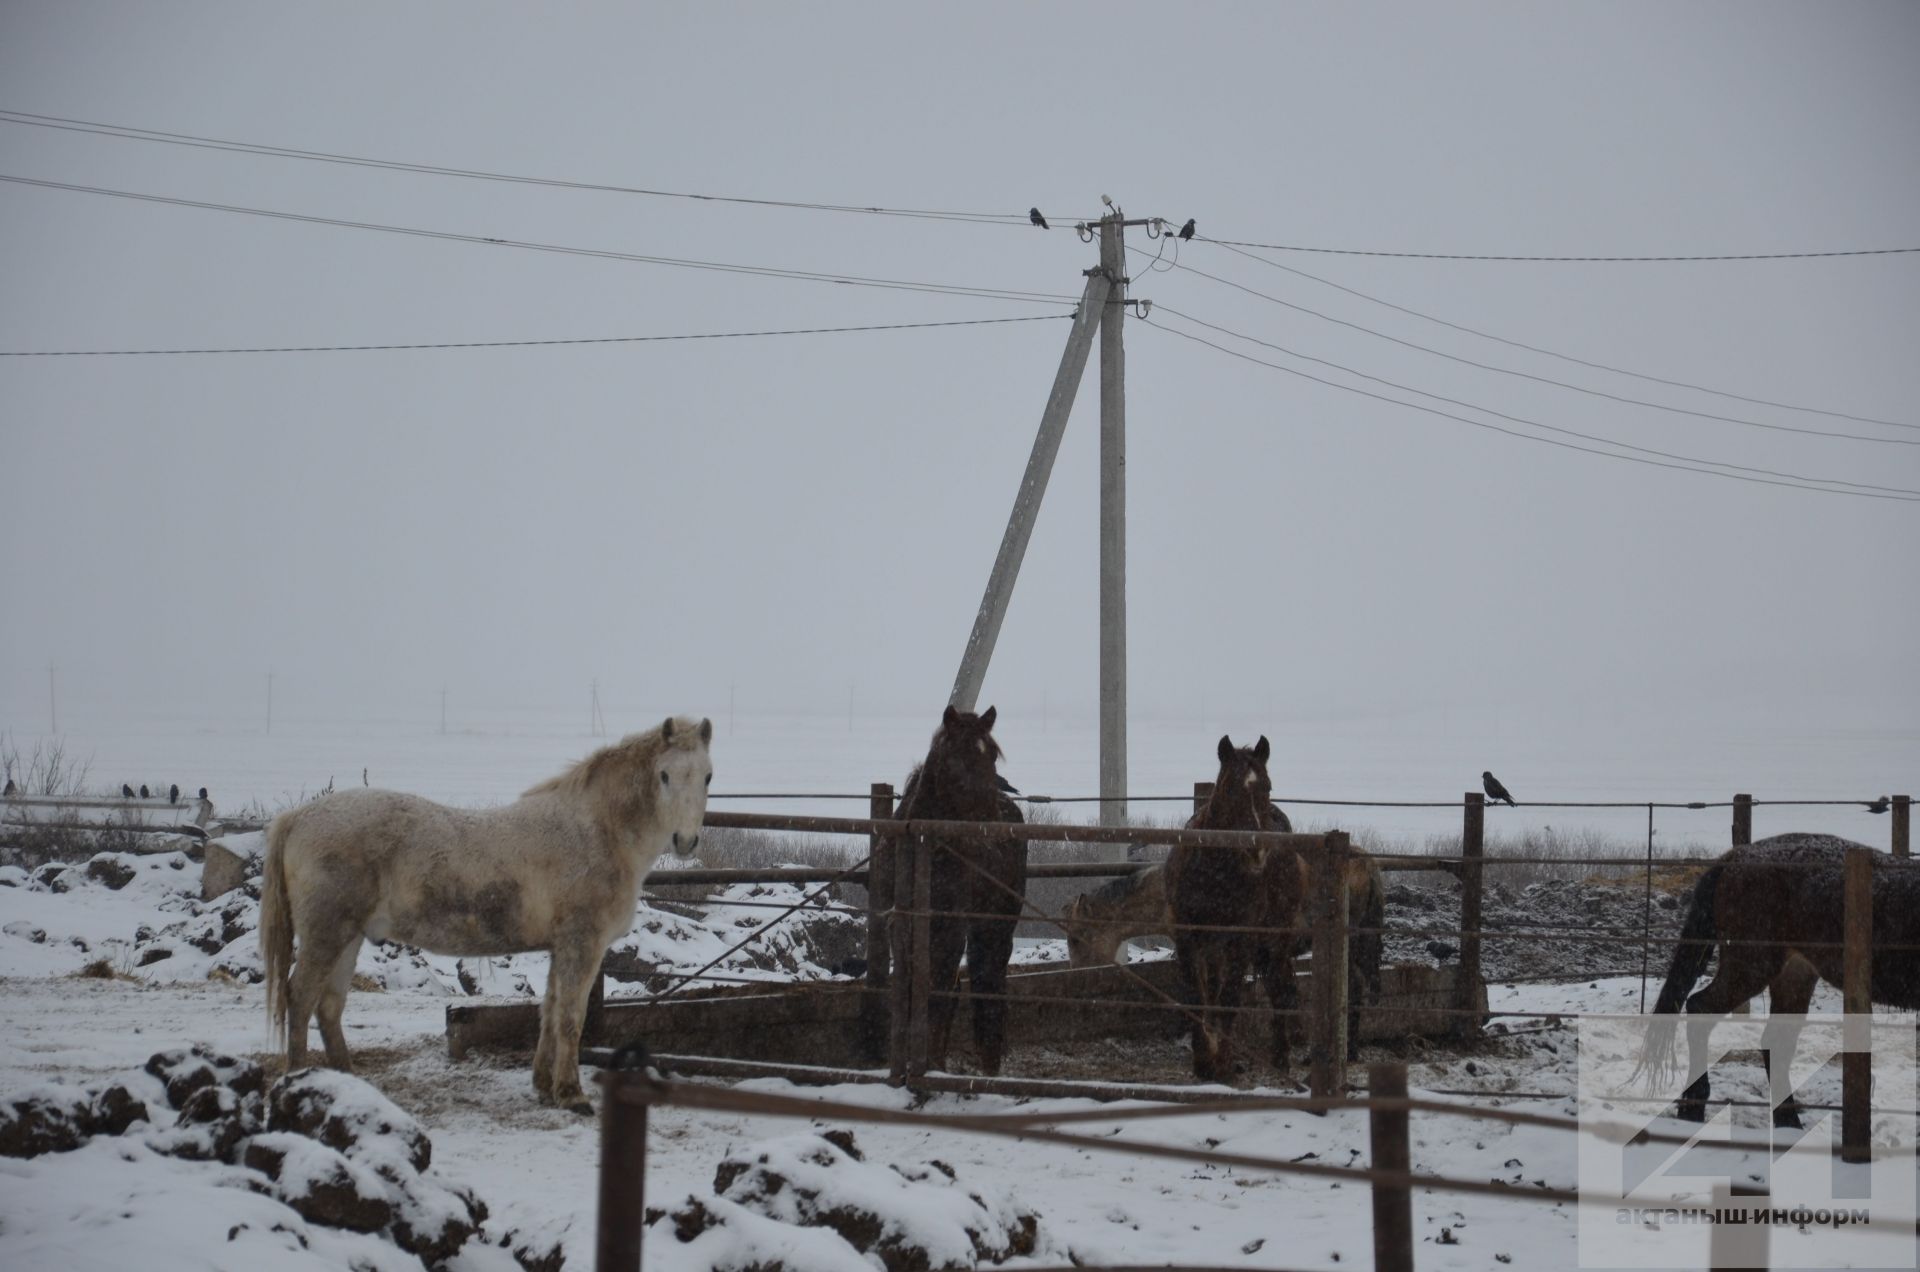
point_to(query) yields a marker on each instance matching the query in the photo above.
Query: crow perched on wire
(1494, 790)
(173, 793)
(1880, 805)
(1033, 214)
(1005, 785)
(1186, 231)
(126, 792)
(144, 792)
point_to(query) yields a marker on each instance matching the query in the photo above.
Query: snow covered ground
(112, 1204)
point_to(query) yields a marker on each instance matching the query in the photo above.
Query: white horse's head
(680, 775)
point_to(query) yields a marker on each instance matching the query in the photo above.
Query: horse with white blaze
(559, 869)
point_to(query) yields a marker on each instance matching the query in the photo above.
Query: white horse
(558, 870)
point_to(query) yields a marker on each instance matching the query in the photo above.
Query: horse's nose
(694, 843)
(676, 841)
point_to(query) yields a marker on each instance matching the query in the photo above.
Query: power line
(522, 344)
(766, 271)
(126, 132)
(1541, 379)
(1520, 419)
(1531, 437)
(1565, 357)
(1469, 256)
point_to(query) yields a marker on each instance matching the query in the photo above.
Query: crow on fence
(144, 792)
(126, 792)
(1494, 790)
(173, 793)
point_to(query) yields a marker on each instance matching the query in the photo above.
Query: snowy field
(115, 1203)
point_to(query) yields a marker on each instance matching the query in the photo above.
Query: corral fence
(898, 989)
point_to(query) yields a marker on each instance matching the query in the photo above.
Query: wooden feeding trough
(822, 1022)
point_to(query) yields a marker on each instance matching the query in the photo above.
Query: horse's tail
(276, 924)
(1690, 958)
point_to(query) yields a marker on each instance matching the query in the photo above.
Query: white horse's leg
(311, 972)
(570, 983)
(543, 1051)
(333, 1001)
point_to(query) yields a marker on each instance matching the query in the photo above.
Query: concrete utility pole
(1026, 503)
(1113, 529)
(53, 698)
(269, 702)
(1102, 305)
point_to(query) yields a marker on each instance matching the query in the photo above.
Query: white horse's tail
(276, 925)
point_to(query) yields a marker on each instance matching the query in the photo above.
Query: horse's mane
(632, 754)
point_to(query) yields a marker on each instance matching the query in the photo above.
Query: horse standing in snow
(1218, 894)
(1776, 910)
(559, 869)
(958, 782)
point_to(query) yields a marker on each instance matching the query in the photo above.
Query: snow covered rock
(113, 869)
(225, 868)
(46, 1119)
(907, 1219)
(344, 1113)
(116, 1108)
(320, 1183)
(187, 1070)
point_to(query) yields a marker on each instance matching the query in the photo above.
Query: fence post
(922, 966)
(900, 974)
(1902, 825)
(1473, 848)
(1856, 1063)
(1392, 1203)
(623, 1179)
(1736, 1245)
(1331, 962)
(873, 1004)
(1742, 820)
(1202, 792)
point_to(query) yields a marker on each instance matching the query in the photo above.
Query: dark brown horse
(1776, 911)
(1211, 888)
(957, 782)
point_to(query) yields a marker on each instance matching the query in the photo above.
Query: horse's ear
(1261, 750)
(706, 730)
(666, 730)
(987, 717)
(950, 716)
(1225, 750)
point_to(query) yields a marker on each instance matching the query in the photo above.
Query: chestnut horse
(958, 782)
(1776, 909)
(1236, 888)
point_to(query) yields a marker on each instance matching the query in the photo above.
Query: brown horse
(1100, 922)
(1776, 911)
(1239, 888)
(957, 782)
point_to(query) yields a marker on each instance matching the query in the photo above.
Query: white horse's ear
(706, 730)
(666, 730)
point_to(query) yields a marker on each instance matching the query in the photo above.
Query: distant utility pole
(53, 697)
(730, 688)
(269, 702)
(443, 711)
(1102, 305)
(596, 722)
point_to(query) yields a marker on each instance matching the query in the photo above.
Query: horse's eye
(663, 779)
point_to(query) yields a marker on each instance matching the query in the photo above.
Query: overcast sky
(794, 516)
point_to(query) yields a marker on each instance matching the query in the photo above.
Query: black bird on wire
(1033, 214)
(173, 793)
(1186, 231)
(144, 792)
(1880, 805)
(126, 792)
(1495, 791)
